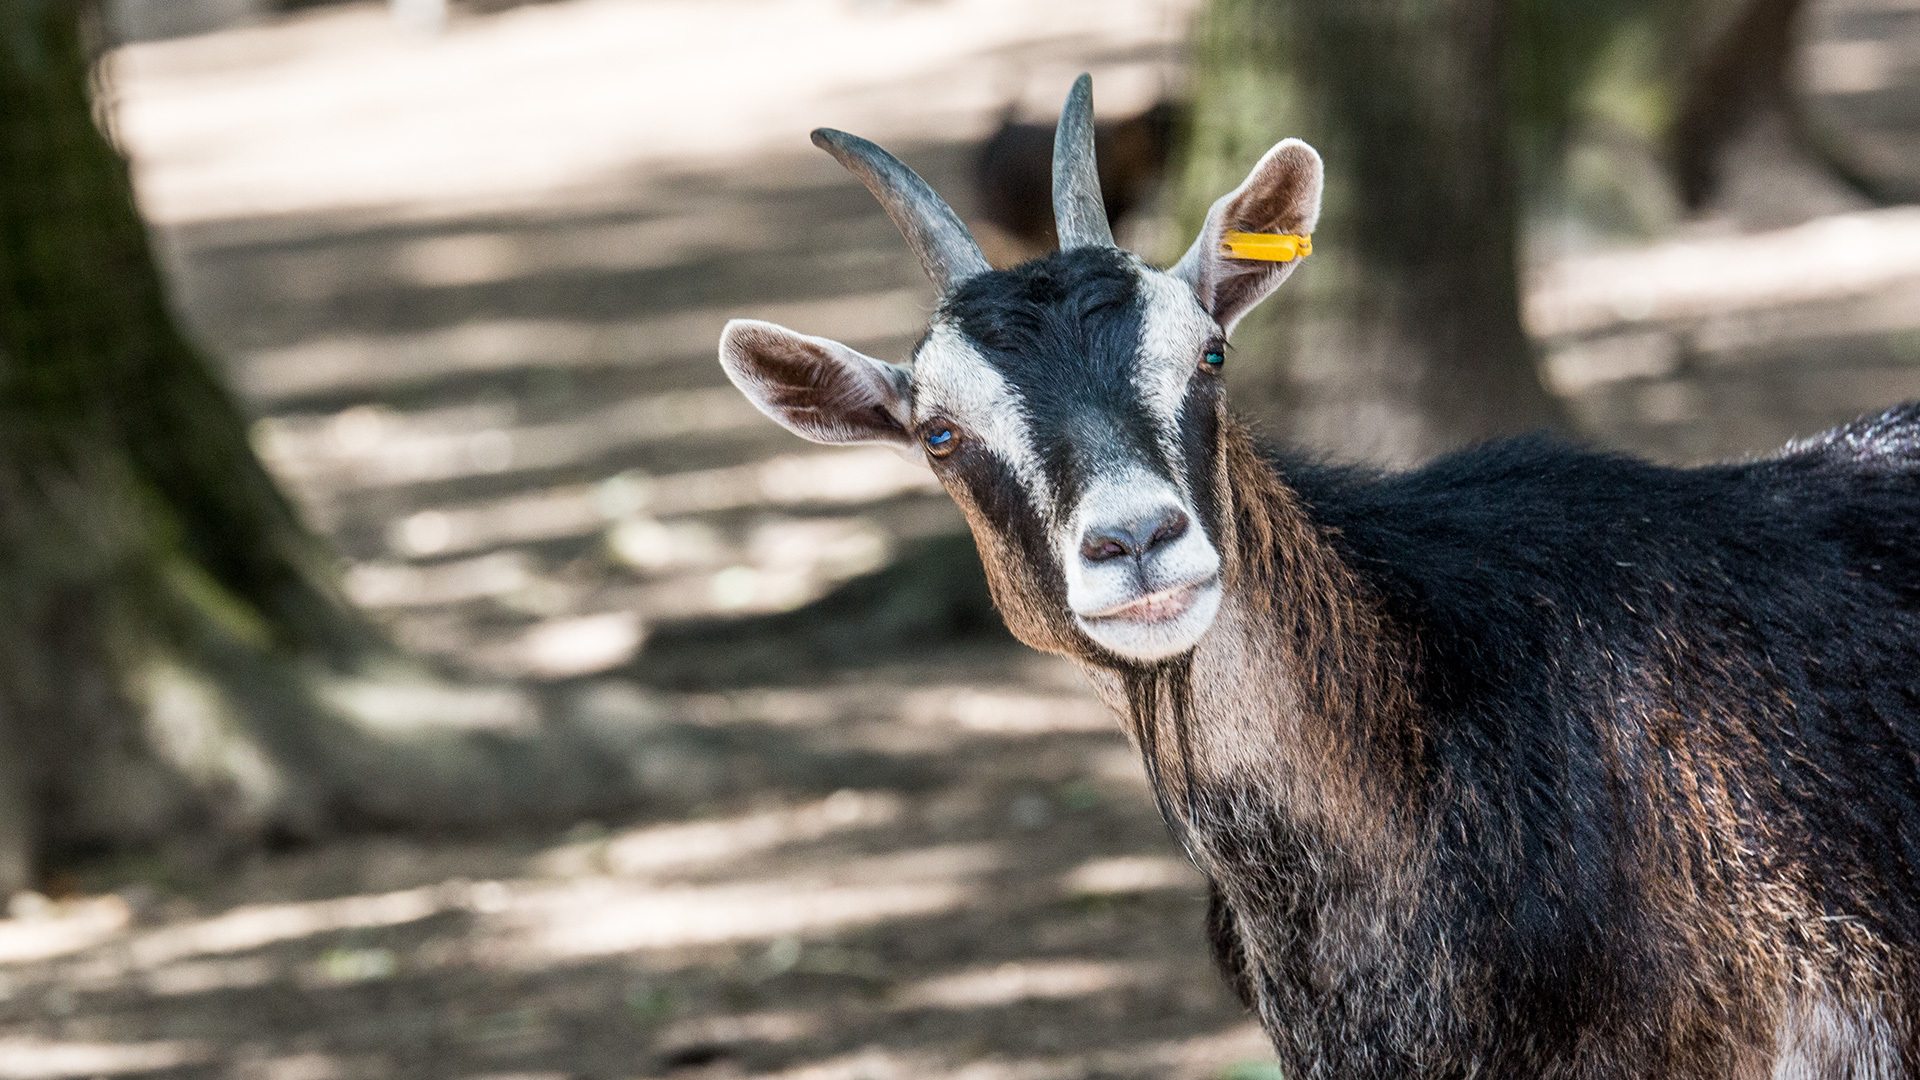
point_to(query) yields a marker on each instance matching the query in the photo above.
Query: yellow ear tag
(1266, 247)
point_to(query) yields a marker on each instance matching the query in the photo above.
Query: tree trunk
(175, 659)
(1402, 335)
(139, 528)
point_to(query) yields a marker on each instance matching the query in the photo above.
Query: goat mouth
(1165, 605)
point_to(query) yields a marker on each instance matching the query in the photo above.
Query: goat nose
(1134, 539)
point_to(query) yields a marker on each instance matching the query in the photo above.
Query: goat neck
(1296, 709)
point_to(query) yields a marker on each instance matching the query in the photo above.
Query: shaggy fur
(1573, 766)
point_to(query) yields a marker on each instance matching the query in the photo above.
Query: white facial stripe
(1173, 330)
(952, 379)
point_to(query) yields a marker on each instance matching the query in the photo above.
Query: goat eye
(940, 441)
(1214, 358)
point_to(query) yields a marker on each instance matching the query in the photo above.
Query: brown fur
(1298, 708)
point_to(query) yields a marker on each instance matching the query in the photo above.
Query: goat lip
(1164, 605)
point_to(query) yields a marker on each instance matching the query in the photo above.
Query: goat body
(1538, 762)
(1533, 763)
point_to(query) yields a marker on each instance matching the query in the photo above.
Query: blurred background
(415, 660)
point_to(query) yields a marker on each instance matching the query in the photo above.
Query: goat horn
(946, 249)
(1079, 213)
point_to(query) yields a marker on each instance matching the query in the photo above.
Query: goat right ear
(815, 387)
(1280, 195)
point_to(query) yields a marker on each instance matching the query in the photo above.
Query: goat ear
(1280, 195)
(815, 387)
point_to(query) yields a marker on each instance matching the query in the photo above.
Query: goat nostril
(1171, 529)
(1134, 540)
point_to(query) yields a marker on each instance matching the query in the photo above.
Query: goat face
(1070, 405)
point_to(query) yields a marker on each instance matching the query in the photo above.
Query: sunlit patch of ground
(472, 283)
(502, 110)
(471, 288)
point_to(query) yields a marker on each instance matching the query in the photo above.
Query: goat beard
(1170, 681)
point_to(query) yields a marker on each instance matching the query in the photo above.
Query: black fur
(1065, 331)
(1808, 562)
(1565, 603)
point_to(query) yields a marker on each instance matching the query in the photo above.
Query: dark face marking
(1199, 449)
(1064, 332)
(1016, 548)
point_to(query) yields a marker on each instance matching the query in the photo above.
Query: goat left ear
(815, 387)
(1280, 195)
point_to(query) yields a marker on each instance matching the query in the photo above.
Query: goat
(1531, 762)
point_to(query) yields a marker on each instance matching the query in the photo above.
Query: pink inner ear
(1279, 198)
(815, 390)
(792, 371)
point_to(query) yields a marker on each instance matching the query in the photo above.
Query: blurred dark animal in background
(1532, 762)
(1742, 73)
(1744, 76)
(1014, 173)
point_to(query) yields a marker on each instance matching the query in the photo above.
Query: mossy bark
(171, 637)
(141, 534)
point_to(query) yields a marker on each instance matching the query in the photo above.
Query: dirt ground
(470, 287)
(960, 879)
(874, 848)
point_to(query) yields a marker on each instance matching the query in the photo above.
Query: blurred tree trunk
(148, 557)
(167, 626)
(1441, 122)
(1403, 335)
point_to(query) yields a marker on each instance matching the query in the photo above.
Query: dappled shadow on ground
(978, 888)
(931, 599)
(874, 840)
(513, 425)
